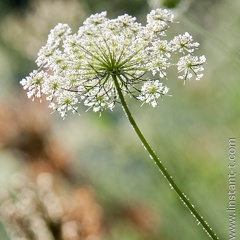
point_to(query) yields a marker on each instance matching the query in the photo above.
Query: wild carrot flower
(79, 68)
(110, 58)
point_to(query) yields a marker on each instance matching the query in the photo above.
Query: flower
(183, 43)
(33, 84)
(157, 20)
(151, 91)
(191, 65)
(84, 67)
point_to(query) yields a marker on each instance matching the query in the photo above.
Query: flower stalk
(159, 164)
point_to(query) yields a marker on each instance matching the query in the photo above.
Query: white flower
(151, 91)
(58, 34)
(105, 53)
(162, 47)
(55, 38)
(159, 14)
(157, 20)
(33, 84)
(95, 19)
(183, 43)
(66, 101)
(159, 65)
(52, 87)
(99, 100)
(191, 65)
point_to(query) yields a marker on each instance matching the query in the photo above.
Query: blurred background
(88, 177)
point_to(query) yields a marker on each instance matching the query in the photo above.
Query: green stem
(160, 166)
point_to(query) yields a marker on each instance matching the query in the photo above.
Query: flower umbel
(80, 67)
(191, 65)
(151, 91)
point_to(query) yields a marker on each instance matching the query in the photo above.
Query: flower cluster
(86, 66)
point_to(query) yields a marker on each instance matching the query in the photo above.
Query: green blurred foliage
(170, 3)
(189, 131)
(13, 5)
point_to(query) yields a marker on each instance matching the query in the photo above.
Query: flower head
(183, 43)
(151, 91)
(191, 65)
(84, 67)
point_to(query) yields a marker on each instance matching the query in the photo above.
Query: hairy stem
(160, 166)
